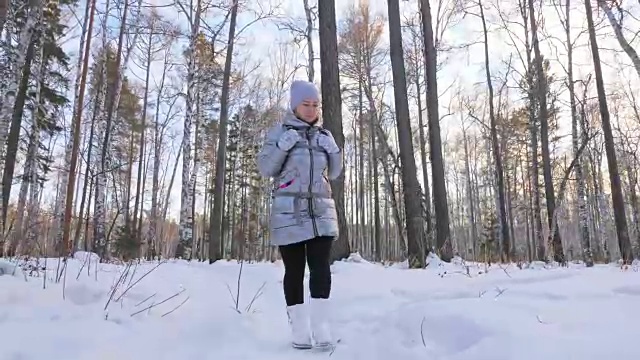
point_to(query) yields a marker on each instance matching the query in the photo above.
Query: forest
(494, 131)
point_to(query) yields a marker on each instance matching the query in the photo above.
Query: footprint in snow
(627, 290)
(452, 333)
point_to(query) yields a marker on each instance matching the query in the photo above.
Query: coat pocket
(283, 205)
(284, 212)
(325, 208)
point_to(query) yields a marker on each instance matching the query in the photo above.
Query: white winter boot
(321, 322)
(299, 322)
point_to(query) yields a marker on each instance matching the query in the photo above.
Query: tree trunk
(619, 211)
(64, 203)
(472, 216)
(311, 73)
(152, 233)
(33, 151)
(332, 112)
(587, 255)
(377, 229)
(425, 172)
(617, 30)
(635, 210)
(497, 155)
(4, 11)
(186, 218)
(215, 221)
(534, 173)
(443, 241)
(411, 186)
(17, 90)
(142, 140)
(541, 91)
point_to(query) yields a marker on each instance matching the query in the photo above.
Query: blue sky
(466, 67)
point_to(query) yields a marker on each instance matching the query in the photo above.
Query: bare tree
(215, 222)
(443, 241)
(411, 186)
(67, 185)
(332, 111)
(619, 211)
(617, 30)
(581, 183)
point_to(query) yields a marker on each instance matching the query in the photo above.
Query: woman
(302, 157)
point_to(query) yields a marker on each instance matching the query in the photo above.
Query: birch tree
(186, 195)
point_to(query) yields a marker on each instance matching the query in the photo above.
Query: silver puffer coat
(302, 206)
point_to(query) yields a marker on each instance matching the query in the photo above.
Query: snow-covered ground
(442, 313)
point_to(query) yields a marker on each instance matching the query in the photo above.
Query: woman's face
(307, 110)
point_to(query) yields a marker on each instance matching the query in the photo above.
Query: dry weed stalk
(126, 281)
(236, 298)
(87, 263)
(131, 285)
(162, 302)
(116, 286)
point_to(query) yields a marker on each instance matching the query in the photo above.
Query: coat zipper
(310, 198)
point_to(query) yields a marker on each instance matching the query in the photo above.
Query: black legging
(316, 253)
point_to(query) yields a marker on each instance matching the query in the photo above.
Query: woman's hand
(288, 140)
(328, 143)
